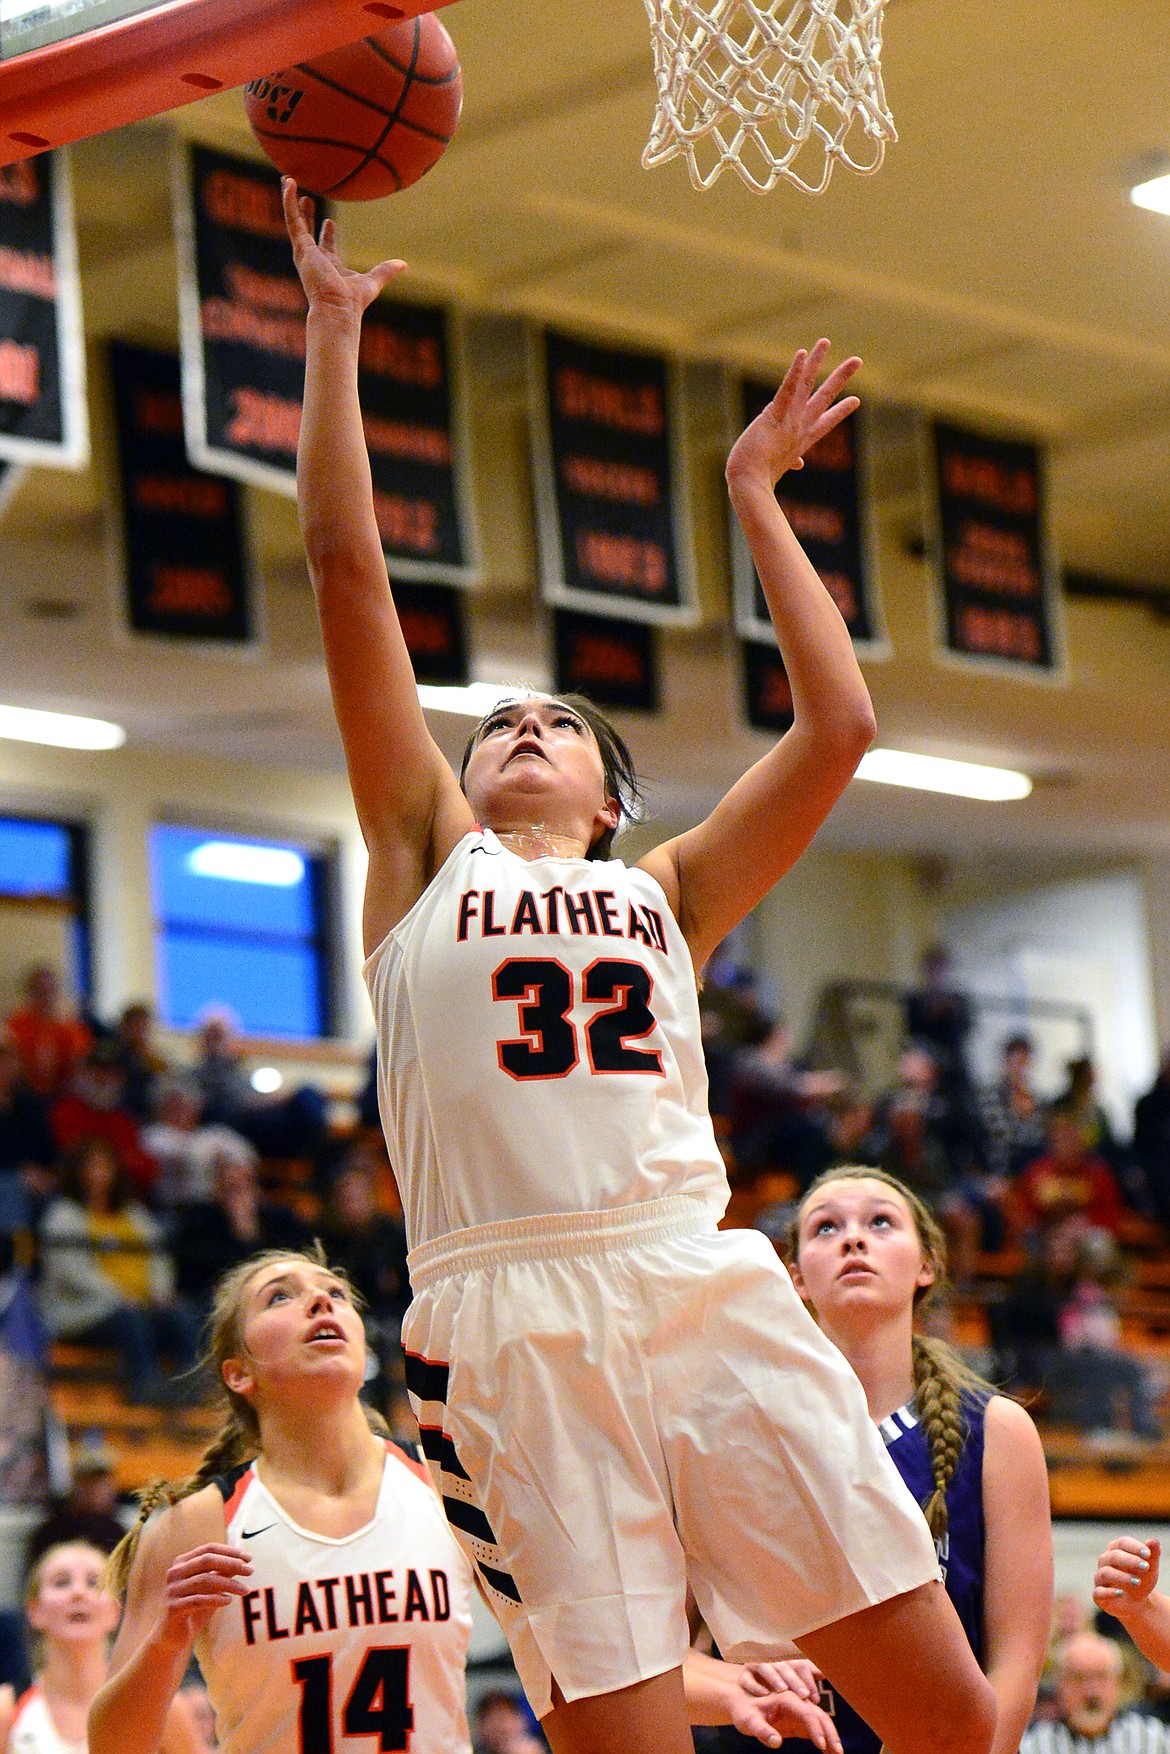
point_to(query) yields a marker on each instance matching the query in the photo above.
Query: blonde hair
(238, 1439)
(36, 1578)
(941, 1378)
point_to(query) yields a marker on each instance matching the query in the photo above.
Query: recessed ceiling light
(931, 773)
(1153, 194)
(61, 730)
(472, 700)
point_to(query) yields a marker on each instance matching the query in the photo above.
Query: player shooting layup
(613, 1393)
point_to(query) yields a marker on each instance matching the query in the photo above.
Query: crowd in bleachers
(1044, 1192)
(128, 1185)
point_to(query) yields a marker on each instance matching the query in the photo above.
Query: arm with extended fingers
(717, 872)
(406, 797)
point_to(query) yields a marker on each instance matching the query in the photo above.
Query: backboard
(72, 68)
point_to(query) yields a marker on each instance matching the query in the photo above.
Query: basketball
(364, 121)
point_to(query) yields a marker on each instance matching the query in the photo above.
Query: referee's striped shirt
(1129, 1733)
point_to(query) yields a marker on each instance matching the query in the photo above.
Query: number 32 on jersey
(549, 1044)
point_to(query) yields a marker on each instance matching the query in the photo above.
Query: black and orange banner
(614, 662)
(185, 571)
(243, 345)
(997, 575)
(433, 619)
(766, 688)
(827, 505)
(42, 353)
(611, 494)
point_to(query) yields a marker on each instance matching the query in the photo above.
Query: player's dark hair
(942, 1381)
(621, 778)
(238, 1439)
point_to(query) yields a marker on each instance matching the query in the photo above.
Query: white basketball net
(753, 83)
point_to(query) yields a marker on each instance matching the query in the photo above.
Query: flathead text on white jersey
(539, 1048)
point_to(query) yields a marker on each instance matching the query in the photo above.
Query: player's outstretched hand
(1126, 1573)
(769, 1717)
(198, 1584)
(798, 415)
(324, 276)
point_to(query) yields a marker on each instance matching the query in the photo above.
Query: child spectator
(49, 1042)
(107, 1279)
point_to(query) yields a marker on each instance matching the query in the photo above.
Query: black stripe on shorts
(438, 1447)
(469, 1518)
(500, 1581)
(426, 1380)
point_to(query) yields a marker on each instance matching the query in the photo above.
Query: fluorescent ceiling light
(61, 730)
(1154, 194)
(473, 700)
(240, 862)
(930, 773)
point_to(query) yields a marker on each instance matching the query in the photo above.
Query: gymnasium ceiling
(994, 269)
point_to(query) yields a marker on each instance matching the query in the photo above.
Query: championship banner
(242, 318)
(827, 504)
(766, 688)
(997, 572)
(42, 351)
(433, 619)
(614, 662)
(610, 482)
(184, 566)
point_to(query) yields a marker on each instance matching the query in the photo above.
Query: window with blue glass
(242, 923)
(42, 860)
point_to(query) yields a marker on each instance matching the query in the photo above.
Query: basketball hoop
(753, 83)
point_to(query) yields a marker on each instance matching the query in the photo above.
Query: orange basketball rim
(100, 74)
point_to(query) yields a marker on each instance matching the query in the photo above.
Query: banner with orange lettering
(184, 567)
(614, 522)
(1001, 604)
(242, 315)
(614, 662)
(828, 506)
(42, 351)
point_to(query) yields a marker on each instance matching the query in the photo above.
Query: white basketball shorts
(617, 1402)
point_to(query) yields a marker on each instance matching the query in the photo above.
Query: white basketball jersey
(355, 1644)
(33, 1730)
(539, 1047)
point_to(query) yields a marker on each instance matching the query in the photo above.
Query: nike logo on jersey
(249, 1534)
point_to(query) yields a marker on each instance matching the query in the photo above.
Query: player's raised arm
(407, 801)
(717, 872)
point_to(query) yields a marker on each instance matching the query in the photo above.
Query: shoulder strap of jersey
(232, 1486)
(410, 1456)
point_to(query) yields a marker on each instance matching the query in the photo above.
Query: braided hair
(942, 1381)
(238, 1439)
